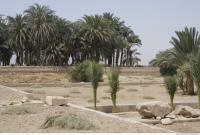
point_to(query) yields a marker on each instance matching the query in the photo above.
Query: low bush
(80, 72)
(69, 121)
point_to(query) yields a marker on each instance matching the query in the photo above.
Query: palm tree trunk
(190, 85)
(198, 92)
(114, 108)
(172, 103)
(122, 53)
(113, 57)
(117, 57)
(95, 98)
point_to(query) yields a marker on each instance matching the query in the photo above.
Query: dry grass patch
(36, 86)
(39, 92)
(66, 96)
(132, 90)
(75, 92)
(91, 101)
(148, 97)
(33, 97)
(148, 78)
(18, 110)
(69, 121)
(106, 98)
(107, 91)
(29, 91)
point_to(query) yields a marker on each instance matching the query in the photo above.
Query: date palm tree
(19, 37)
(5, 48)
(41, 26)
(96, 31)
(185, 46)
(113, 79)
(95, 73)
(195, 66)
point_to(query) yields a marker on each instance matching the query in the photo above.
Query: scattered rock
(14, 102)
(153, 109)
(56, 100)
(166, 121)
(186, 111)
(36, 102)
(158, 118)
(172, 115)
(25, 99)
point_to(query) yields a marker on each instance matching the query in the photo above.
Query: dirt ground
(31, 122)
(133, 89)
(25, 78)
(128, 93)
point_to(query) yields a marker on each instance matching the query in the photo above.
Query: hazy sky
(153, 20)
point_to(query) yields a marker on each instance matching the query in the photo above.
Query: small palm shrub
(70, 121)
(79, 73)
(195, 70)
(113, 79)
(171, 86)
(95, 72)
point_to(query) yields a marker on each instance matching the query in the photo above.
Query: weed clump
(70, 121)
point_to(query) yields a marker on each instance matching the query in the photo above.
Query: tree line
(40, 37)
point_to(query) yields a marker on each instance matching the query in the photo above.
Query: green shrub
(79, 73)
(113, 79)
(69, 121)
(171, 86)
(95, 73)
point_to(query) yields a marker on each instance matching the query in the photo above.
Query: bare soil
(133, 89)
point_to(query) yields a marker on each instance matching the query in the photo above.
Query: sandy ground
(133, 89)
(128, 94)
(186, 127)
(7, 96)
(17, 78)
(32, 122)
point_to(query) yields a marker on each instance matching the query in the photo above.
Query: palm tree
(195, 66)
(95, 73)
(185, 46)
(96, 31)
(19, 37)
(5, 48)
(171, 86)
(54, 55)
(132, 59)
(41, 27)
(113, 78)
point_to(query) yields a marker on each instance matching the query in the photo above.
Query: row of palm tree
(185, 48)
(40, 37)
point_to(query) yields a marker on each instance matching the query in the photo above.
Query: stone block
(56, 100)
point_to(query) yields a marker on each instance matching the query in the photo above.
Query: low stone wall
(51, 69)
